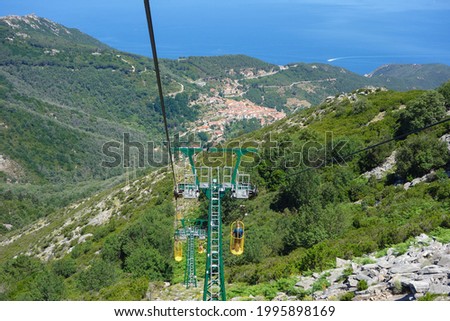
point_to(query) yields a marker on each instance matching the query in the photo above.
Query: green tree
(99, 275)
(425, 110)
(420, 154)
(301, 189)
(444, 90)
(47, 286)
(146, 262)
(361, 105)
(65, 267)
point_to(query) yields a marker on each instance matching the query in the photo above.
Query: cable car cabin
(237, 238)
(178, 251)
(243, 189)
(187, 191)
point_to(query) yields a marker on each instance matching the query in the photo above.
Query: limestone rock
(433, 269)
(405, 268)
(341, 263)
(280, 297)
(439, 289)
(445, 261)
(419, 286)
(305, 283)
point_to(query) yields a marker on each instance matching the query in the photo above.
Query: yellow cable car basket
(178, 251)
(237, 238)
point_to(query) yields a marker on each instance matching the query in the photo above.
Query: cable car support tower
(214, 182)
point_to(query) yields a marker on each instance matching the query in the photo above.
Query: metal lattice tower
(213, 182)
(190, 275)
(214, 286)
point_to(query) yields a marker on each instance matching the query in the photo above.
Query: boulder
(352, 281)
(439, 289)
(368, 267)
(280, 297)
(432, 277)
(419, 286)
(335, 275)
(341, 263)
(378, 288)
(444, 261)
(423, 239)
(383, 263)
(433, 269)
(305, 283)
(405, 268)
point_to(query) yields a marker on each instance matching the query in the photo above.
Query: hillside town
(224, 111)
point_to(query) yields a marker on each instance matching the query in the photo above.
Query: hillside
(412, 76)
(300, 222)
(68, 103)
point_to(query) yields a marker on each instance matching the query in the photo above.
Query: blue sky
(362, 34)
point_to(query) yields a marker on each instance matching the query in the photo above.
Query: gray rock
(338, 286)
(341, 263)
(368, 267)
(361, 292)
(378, 288)
(368, 279)
(305, 283)
(445, 261)
(439, 289)
(426, 253)
(399, 280)
(280, 297)
(335, 275)
(405, 268)
(424, 261)
(423, 239)
(433, 269)
(362, 276)
(432, 277)
(352, 281)
(419, 286)
(383, 263)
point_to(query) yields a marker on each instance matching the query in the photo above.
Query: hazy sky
(361, 34)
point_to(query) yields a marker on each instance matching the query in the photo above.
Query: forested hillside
(315, 204)
(74, 228)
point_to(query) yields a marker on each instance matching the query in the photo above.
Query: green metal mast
(214, 182)
(191, 230)
(190, 273)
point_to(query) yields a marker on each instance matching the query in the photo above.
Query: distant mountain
(42, 32)
(411, 76)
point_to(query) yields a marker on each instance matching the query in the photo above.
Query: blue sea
(357, 35)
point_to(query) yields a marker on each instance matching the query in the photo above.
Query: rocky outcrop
(424, 268)
(380, 171)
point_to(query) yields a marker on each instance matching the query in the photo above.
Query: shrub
(347, 296)
(146, 262)
(47, 286)
(419, 155)
(362, 285)
(99, 275)
(424, 110)
(444, 90)
(65, 267)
